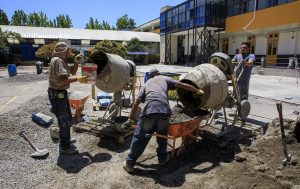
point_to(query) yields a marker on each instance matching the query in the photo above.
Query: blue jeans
(61, 108)
(146, 125)
(244, 91)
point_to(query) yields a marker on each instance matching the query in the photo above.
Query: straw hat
(61, 47)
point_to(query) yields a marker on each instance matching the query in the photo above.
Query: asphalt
(265, 90)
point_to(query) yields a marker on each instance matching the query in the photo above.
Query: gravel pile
(15, 160)
(26, 78)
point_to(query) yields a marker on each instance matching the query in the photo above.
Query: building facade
(193, 30)
(80, 39)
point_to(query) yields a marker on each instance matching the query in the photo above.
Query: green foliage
(44, 53)
(62, 21)
(125, 23)
(96, 25)
(111, 47)
(3, 18)
(135, 45)
(37, 19)
(153, 58)
(19, 18)
(93, 24)
(105, 25)
(3, 41)
(5, 35)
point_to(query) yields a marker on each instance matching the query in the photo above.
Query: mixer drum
(113, 72)
(208, 78)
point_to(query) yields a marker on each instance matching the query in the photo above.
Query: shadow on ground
(75, 163)
(200, 157)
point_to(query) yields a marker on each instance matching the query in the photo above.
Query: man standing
(245, 62)
(59, 82)
(154, 117)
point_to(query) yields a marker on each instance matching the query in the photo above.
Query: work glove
(78, 58)
(82, 79)
(128, 124)
(198, 94)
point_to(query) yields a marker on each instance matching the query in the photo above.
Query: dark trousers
(147, 125)
(61, 108)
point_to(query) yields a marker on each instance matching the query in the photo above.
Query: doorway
(272, 47)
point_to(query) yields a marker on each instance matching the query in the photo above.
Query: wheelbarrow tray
(184, 128)
(77, 99)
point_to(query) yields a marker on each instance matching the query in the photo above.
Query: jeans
(61, 108)
(147, 125)
(244, 91)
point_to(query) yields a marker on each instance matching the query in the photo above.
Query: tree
(105, 25)
(125, 23)
(19, 18)
(63, 21)
(96, 25)
(43, 19)
(5, 35)
(44, 53)
(111, 47)
(3, 18)
(34, 20)
(135, 45)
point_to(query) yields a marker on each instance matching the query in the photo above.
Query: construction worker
(154, 117)
(245, 62)
(59, 82)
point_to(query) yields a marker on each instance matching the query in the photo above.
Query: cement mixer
(114, 74)
(215, 78)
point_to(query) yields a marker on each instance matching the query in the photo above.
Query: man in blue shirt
(154, 117)
(245, 62)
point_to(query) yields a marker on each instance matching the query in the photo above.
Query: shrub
(153, 58)
(111, 47)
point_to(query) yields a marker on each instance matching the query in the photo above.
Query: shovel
(286, 155)
(38, 153)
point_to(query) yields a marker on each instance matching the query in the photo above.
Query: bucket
(208, 78)
(12, 70)
(90, 71)
(119, 121)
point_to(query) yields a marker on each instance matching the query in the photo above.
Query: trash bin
(262, 62)
(12, 70)
(39, 67)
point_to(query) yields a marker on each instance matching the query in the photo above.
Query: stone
(240, 157)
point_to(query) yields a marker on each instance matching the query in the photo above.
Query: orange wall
(275, 16)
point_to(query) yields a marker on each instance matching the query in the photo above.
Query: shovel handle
(22, 134)
(279, 108)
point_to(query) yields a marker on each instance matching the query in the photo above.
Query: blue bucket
(12, 70)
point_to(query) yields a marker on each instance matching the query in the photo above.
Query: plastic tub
(90, 71)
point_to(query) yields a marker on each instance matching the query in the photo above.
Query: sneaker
(127, 167)
(68, 151)
(161, 163)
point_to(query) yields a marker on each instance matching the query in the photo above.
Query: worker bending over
(154, 117)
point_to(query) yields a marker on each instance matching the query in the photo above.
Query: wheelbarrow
(77, 100)
(187, 131)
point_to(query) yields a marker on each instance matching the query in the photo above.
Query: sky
(80, 11)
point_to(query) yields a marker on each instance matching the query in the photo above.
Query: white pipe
(244, 28)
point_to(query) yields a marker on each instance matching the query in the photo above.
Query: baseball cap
(153, 72)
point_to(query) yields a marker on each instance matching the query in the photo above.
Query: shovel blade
(40, 153)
